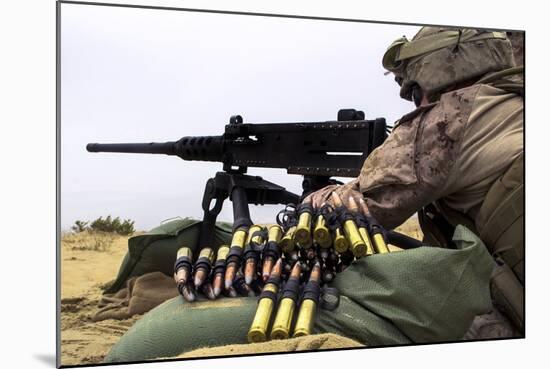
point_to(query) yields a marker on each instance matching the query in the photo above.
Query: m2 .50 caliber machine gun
(315, 150)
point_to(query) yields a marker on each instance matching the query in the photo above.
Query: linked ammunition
(362, 226)
(250, 270)
(308, 305)
(351, 232)
(376, 230)
(250, 254)
(287, 242)
(268, 299)
(182, 270)
(271, 251)
(380, 243)
(241, 287)
(303, 229)
(231, 292)
(340, 241)
(203, 265)
(266, 268)
(234, 256)
(378, 239)
(219, 270)
(366, 238)
(356, 243)
(188, 292)
(208, 291)
(321, 233)
(285, 311)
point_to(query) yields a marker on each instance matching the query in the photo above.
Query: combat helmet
(437, 59)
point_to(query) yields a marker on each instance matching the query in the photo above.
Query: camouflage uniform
(452, 151)
(456, 149)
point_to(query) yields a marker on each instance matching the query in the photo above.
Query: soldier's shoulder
(414, 114)
(456, 104)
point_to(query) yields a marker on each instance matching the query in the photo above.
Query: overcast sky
(136, 75)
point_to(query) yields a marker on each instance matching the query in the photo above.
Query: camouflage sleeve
(411, 168)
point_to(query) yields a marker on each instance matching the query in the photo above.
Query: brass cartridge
(366, 238)
(356, 243)
(303, 230)
(182, 272)
(340, 241)
(274, 233)
(283, 320)
(239, 238)
(380, 245)
(266, 304)
(203, 266)
(304, 323)
(272, 250)
(250, 255)
(287, 242)
(219, 269)
(254, 239)
(321, 233)
(285, 312)
(306, 315)
(258, 330)
(234, 256)
(183, 266)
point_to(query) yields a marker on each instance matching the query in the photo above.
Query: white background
(27, 114)
(136, 75)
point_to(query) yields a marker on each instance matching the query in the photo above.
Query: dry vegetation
(89, 241)
(411, 228)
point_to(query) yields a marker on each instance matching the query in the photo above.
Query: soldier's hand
(341, 197)
(349, 197)
(320, 197)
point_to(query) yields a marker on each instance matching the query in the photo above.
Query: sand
(325, 341)
(89, 262)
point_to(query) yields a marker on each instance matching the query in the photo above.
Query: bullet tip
(232, 292)
(198, 282)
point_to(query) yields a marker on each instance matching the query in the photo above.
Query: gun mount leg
(241, 212)
(206, 236)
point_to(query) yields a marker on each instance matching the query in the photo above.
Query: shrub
(107, 225)
(79, 226)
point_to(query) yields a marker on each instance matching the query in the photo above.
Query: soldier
(457, 158)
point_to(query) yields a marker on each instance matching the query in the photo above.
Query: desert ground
(89, 263)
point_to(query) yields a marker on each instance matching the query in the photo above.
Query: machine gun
(315, 150)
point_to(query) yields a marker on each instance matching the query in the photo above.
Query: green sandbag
(155, 251)
(428, 294)
(421, 295)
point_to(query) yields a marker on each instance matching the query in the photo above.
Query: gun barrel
(207, 148)
(167, 148)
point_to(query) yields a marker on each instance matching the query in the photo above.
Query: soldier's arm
(412, 167)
